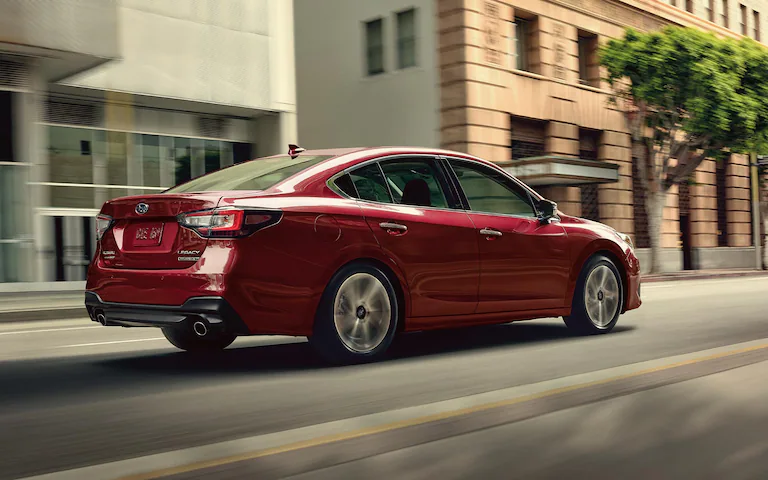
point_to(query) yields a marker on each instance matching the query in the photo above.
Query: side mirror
(547, 210)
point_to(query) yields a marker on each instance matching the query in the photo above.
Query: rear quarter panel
(278, 275)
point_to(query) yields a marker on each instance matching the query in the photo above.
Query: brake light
(103, 222)
(228, 222)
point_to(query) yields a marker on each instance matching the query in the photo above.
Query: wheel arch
(609, 250)
(394, 275)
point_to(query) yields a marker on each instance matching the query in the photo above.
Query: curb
(61, 313)
(705, 276)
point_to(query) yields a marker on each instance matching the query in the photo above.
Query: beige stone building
(517, 82)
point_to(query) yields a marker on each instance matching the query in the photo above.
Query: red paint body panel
(526, 268)
(439, 250)
(448, 273)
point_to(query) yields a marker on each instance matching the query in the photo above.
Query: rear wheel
(191, 342)
(597, 299)
(357, 317)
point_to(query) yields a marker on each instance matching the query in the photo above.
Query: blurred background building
(518, 82)
(107, 98)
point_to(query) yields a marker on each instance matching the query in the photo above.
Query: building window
(689, 6)
(743, 20)
(589, 67)
(90, 166)
(527, 137)
(724, 14)
(711, 11)
(673, 3)
(522, 41)
(406, 39)
(374, 46)
(756, 25)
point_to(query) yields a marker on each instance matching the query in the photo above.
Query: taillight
(103, 222)
(228, 222)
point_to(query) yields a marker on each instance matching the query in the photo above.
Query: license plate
(148, 235)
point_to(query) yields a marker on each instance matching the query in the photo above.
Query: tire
(187, 340)
(357, 317)
(599, 286)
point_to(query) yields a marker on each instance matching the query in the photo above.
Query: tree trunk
(654, 208)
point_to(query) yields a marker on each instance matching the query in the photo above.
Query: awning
(556, 170)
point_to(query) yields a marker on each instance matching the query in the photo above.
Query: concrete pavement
(76, 395)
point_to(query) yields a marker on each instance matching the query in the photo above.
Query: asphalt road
(678, 390)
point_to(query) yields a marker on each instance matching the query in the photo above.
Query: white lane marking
(63, 329)
(214, 451)
(109, 343)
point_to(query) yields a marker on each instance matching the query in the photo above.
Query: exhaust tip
(101, 318)
(200, 328)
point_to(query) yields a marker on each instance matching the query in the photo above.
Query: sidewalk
(701, 275)
(29, 306)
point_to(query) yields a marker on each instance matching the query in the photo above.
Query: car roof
(343, 157)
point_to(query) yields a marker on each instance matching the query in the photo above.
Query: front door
(524, 264)
(408, 206)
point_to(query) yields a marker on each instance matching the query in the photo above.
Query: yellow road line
(420, 420)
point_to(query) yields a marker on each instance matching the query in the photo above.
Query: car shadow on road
(300, 356)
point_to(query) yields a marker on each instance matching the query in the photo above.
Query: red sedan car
(349, 248)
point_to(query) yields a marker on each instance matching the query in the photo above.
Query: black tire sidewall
(325, 339)
(579, 319)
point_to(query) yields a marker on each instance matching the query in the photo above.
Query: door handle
(394, 228)
(489, 232)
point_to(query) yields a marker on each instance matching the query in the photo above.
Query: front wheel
(189, 341)
(357, 317)
(598, 298)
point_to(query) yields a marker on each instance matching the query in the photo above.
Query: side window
(370, 184)
(490, 191)
(344, 183)
(415, 182)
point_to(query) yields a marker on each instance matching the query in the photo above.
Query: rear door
(145, 233)
(408, 205)
(524, 264)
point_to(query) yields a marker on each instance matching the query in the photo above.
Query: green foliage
(713, 89)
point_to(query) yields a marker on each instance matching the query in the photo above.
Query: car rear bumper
(214, 311)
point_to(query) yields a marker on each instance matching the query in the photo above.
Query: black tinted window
(344, 183)
(370, 184)
(259, 174)
(490, 191)
(415, 182)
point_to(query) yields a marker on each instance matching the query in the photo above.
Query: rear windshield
(259, 174)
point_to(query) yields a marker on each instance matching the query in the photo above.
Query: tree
(687, 95)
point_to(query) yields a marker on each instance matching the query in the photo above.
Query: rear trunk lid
(145, 233)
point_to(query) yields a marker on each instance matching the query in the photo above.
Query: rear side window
(259, 174)
(370, 184)
(403, 175)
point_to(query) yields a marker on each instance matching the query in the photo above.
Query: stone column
(616, 198)
(738, 202)
(704, 206)
(475, 58)
(563, 140)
